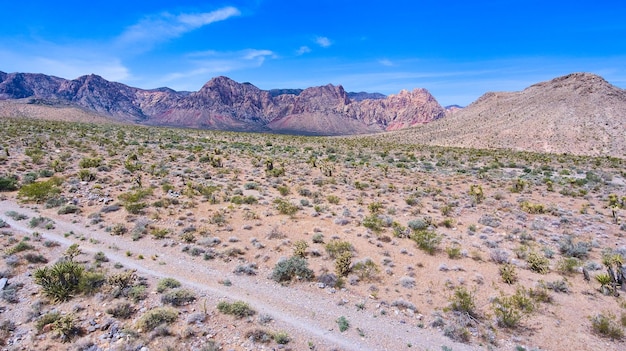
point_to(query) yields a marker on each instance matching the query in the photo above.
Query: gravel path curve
(307, 312)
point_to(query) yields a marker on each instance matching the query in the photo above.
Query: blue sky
(458, 50)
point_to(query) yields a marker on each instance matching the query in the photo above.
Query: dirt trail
(307, 313)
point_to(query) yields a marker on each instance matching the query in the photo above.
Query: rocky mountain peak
(223, 103)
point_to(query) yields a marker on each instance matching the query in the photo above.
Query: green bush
(336, 247)
(156, 317)
(167, 283)
(537, 263)
(286, 270)
(61, 281)
(285, 207)
(373, 222)
(178, 297)
(343, 263)
(567, 265)
(343, 324)
(299, 248)
(39, 192)
(8, 183)
(121, 310)
(606, 325)
(89, 162)
(366, 270)
(281, 338)
(64, 325)
(427, 240)
(463, 301)
(508, 273)
(238, 309)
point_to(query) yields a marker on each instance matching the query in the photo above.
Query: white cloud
(385, 62)
(160, 28)
(303, 50)
(323, 42)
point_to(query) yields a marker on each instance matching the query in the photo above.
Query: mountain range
(579, 113)
(228, 105)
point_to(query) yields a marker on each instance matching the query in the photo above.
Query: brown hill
(579, 113)
(228, 105)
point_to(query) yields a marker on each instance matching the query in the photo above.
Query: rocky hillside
(579, 113)
(228, 105)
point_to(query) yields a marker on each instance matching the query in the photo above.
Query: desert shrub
(137, 293)
(90, 162)
(61, 281)
(569, 248)
(118, 229)
(454, 251)
(318, 238)
(19, 247)
(156, 317)
(40, 191)
(91, 282)
(86, 175)
(299, 248)
(68, 209)
(246, 269)
(159, 233)
(343, 324)
(55, 201)
(373, 222)
(46, 319)
(122, 310)
(238, 309)
(538, 263)
(508, 273)
(567, 265)
(64, 325)
(178, 297)
(342, 264)
(605, 325)
(336, 247)
(285, 207)
(100, 257)
(293, 267)
(506, 313)
(418, 224)
(16, 216)
(499, 256)
(281, 337)
(35, 258)
(532, 208)
(258, 335)
(9, 293)
(333, 199)
(284, 190)
(366, 269)
(120, 283)
(489, 221)
(41, 222)
(110, 208)
(427, 240)
(328, 279)
(463, 301)
(8, 183)
(560, 286)
(167, 283)
(135, 207)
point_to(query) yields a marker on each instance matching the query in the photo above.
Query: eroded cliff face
(225, 104)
